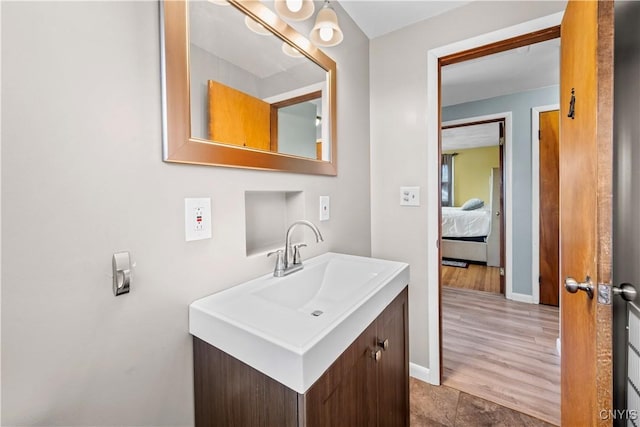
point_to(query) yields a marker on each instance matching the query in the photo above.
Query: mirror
(244, 89)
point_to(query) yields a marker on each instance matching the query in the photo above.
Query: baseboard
(421, 373)
(521, 298)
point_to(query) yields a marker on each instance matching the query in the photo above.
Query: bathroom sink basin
(322, 285)
(292, 328)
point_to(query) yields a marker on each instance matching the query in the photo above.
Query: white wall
(398, 85)
(297, 129)
(82, 178)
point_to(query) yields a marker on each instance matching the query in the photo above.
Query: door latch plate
(604, 294)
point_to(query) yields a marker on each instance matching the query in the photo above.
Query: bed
(474, 235)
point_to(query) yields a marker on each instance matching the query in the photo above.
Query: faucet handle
(296, 253)
(278, 271)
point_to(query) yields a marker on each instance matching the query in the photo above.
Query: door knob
(573, 286)
(626, 290)
(384, 344)
(376, 355)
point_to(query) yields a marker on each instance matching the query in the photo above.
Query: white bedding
(459, 223)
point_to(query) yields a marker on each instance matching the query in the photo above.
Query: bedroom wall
(472, 172)
(83, 177)
(520, 105)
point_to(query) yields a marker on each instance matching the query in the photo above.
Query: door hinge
(539, 280)
(502, 271)
(539, 134)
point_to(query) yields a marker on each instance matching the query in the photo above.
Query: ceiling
(378, 17)
(472, 136)
(513, 71)
(504, 73)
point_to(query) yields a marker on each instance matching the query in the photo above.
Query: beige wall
(398, 76)
(82, 178)
(472, 173)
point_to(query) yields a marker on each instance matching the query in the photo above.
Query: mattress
(459, 223)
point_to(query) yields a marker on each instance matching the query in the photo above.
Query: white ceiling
(473, 136)
(500, 74)
(503, 73)
(378, 17)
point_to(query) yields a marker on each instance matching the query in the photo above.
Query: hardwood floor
(502, 351)
(477, 277)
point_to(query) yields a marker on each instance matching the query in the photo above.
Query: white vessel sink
(292, 328)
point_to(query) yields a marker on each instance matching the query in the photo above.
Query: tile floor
(445, 406)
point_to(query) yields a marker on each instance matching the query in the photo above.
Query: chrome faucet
(284, 264)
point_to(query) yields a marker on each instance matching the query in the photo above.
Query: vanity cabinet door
(346, 394)
(368, 385)
(393, 366)
(231, 393)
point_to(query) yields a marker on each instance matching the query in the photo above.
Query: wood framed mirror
(229, 100)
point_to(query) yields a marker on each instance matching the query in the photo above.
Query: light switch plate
(410, 196)
(197, 219)
(325, 208)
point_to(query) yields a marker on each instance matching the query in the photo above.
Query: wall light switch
(197, 219)
(325, 208)
(410, 196)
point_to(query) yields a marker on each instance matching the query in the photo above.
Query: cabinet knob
(384, 344)
(376, 355)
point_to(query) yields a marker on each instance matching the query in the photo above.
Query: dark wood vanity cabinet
(368, 385)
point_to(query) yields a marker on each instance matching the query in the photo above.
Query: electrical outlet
(197, 219)
(410, 196)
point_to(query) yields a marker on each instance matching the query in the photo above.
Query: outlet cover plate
(410, 196)
(197, 219)
(325, 208)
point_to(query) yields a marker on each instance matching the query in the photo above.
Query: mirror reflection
(248, 88)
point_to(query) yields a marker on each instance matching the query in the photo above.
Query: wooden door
(238, 118)
(586, 66)
(549, 198)
(393, 366)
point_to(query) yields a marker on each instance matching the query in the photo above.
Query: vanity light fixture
(294, 10)
(326, 32)
(291, 51)
(255, 26)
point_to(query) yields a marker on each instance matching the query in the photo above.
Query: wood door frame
(535, 198)
(431, 373)
(506, 180)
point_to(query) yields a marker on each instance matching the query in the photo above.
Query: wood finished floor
(477, 277)
(502, 351)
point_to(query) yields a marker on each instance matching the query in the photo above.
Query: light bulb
(294, 5)
(326, 33)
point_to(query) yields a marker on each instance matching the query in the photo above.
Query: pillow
(472, 204)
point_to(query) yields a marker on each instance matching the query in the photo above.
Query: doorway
(472, 202)
(586, 349)
(486, 347)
